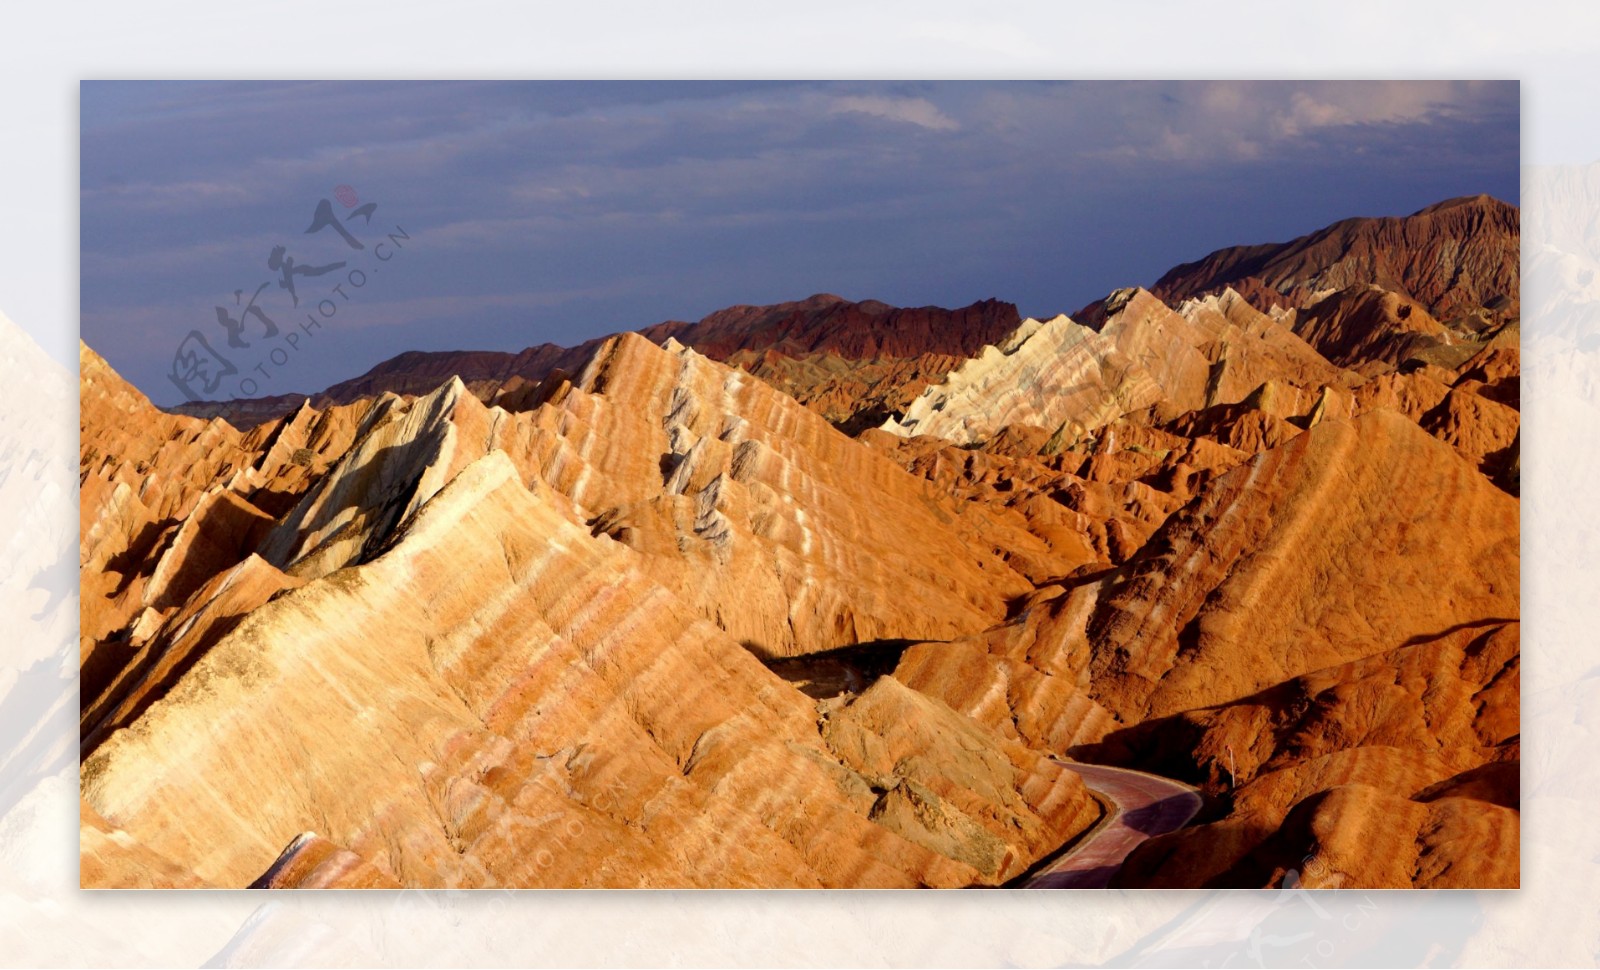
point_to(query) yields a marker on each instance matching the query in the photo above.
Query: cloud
(240, 253)
(1222, 121)
(916, 111)
(1383, 102)
(168, 196)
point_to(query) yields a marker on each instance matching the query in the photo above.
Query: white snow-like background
(46, 920)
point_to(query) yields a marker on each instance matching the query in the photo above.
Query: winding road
(1142, 805)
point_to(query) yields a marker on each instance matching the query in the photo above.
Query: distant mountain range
(1457, 259)
(1460, 259)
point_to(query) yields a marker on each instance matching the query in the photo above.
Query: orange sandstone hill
(503, 620)
(643, 613)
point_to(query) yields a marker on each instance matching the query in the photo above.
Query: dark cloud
(558, 211)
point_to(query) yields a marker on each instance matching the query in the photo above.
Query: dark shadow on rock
(843, 670)
(139, 558)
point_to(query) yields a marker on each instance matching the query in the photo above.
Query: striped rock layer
(626, 615)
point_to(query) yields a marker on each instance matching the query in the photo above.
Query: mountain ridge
(1461, 266)
(1455, 257)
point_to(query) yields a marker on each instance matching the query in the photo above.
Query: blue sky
(558, 211)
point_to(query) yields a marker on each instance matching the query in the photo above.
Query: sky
(500, 215)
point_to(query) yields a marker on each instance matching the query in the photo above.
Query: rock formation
(1274, 562)
(669, 609)
(499, 678)
(1459, 259)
